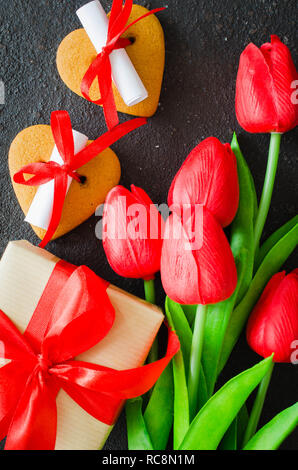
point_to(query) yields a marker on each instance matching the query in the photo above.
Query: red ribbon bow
(45, 171)
(101, 66)
(42, 362)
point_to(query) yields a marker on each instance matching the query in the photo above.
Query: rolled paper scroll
(40, 211)
(125, 76)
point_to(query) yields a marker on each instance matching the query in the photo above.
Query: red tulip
(208, 177)
(265, 88)
(132, 233)
(203, 274)
(273, 325)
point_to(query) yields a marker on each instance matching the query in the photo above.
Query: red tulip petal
(179, 270)
(203, 275)
(131, 238)
(263, 88)
(217, 269)
(283, 71)
(255, 107)
(256, 325)
(156, 222)
(208, 177)
(273, 325)
(140, 195)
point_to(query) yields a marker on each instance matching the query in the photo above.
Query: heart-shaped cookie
(35, 144)
(147, 53)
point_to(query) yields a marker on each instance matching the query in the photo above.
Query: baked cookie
(147, 53)
(35, 144)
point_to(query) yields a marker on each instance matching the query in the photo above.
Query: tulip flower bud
(208, 177)
(265, 88)
(132, 233)
(197, 265)
(273, 325)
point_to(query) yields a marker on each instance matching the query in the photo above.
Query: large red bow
(101, 66)
(42, 363)
(45, 171)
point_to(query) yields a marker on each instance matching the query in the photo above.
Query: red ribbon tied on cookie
(101, 66)
(42, 362)
(43, 172)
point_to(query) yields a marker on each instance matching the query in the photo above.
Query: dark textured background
(204, 39)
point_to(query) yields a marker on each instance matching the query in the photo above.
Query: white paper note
(125, 76)
(41, 208)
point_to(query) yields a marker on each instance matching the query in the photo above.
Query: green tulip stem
(257, 406)
(268, 187)
(149, 288)
(195, 358)
(149, 291)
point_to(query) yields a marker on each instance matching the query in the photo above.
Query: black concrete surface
(204, 39)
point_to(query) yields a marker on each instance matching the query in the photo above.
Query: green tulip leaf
(181, 404)
(202, 389)
(271, 264)
(242, 231)
(254, 195)
(182, 329)
(213, 420)
(159, 412)
(137, 433)
(271, 436)
(229, 441)
(190, 313)
(242, 422)
(273, 239)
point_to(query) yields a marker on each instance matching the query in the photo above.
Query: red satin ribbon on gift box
(101, 66)
(73, 315)
(43, 172)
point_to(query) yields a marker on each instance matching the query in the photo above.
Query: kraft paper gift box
(24, 273)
